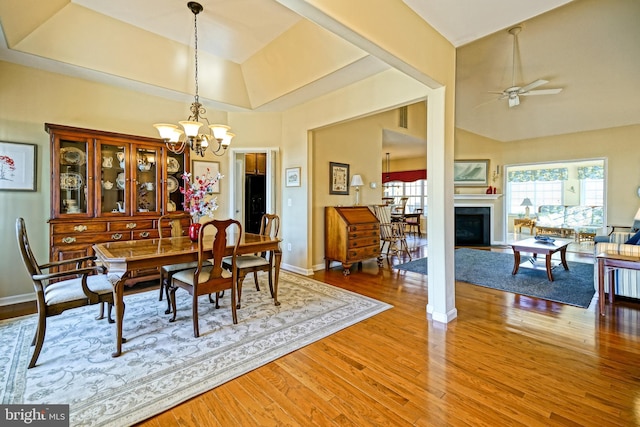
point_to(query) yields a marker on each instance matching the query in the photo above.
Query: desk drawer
(362, 227)
(362, 253)
(361, 234)
(364, 242)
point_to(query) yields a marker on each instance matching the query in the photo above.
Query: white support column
(440, 227)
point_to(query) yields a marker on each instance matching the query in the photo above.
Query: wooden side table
(529, 223)
(608, 263)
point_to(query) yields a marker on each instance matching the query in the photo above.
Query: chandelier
(178, 140)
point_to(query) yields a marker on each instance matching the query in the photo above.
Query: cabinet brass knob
(116, 236)
(69, 240)
(132, 225)
(80, 228)
(144, 234)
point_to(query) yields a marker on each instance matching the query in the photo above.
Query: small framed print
(292, 176)
(338, 178)
(199, 168)
(471, 172)
(17, 166)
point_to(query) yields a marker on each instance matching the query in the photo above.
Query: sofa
(627, 281)
(583, 222)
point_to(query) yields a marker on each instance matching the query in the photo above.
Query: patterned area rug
(162, 363)
(493, 270)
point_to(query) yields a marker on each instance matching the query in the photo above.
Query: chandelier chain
(195, 31)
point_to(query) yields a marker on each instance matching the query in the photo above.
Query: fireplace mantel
(477, 196)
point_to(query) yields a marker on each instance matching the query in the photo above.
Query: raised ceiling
(586, 47)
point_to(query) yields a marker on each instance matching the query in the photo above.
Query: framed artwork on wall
(338, 178)
(292, 176)
(471, 172)
(199, 168)
(17, 166)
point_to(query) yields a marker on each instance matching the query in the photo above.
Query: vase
(194, 230)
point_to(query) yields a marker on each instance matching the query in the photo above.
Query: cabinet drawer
(362, 227)
(80, 227)
(363, 242)
(145, 234)
(133, 224)
(362, 253)
(75, 239)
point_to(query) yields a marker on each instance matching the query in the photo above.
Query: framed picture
(338, 178)
(471, 172)
(292, 177)
(199, 168)
(17, 166)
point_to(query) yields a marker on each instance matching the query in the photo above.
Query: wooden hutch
(108, 187)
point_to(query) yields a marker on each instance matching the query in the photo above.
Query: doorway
(254, 185)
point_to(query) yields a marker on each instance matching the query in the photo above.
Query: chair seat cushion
(71, 289)
(186, 276)
(172, 268)
(246, 261)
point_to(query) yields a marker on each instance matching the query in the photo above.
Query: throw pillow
(633, 240)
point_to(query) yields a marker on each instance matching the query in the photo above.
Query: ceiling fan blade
(542, 92)
(533, 85)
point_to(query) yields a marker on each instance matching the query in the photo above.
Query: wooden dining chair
(73, 285)
(413, 222)
(245, 264)
(171, 225)
(209, 279)
(392, 233)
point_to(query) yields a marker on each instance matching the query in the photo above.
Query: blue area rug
(493, 270)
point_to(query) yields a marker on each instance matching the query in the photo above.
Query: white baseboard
(298, 270)
(17, 299)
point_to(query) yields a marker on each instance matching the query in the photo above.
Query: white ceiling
(553, 45)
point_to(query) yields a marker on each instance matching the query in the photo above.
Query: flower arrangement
(197, 200)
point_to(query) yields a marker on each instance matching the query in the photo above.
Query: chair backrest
(270, 225)
(383, 213)
(172, 221)
(216, 252)
(388, 200)
(25, 248)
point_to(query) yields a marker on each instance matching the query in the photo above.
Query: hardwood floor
(506, 360)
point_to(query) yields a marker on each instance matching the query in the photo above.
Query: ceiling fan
(514, 92)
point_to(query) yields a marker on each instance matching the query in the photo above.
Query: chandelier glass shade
(176, 139)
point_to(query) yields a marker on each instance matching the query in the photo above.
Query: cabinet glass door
(73, 177)
(175, 170)
(113, 178)
(146, 191)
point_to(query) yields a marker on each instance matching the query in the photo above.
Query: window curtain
(553, 174)
(591, 172)
(404, 176)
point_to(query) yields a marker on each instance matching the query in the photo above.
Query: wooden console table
(608, 263)
(529, 223)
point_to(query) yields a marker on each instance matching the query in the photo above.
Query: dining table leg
(118, 302)
(277, 258)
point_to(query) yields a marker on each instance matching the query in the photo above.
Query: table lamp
(356, 182)
(526, 203)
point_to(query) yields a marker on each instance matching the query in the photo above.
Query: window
(592, 192)
(416, 191)
(539, 192)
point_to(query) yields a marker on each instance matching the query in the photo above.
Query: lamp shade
(526, 202)
(356, 181)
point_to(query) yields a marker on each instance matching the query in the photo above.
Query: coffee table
(536, 247)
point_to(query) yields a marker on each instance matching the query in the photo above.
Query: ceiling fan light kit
(513, 93)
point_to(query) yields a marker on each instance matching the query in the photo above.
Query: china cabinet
(107, 187)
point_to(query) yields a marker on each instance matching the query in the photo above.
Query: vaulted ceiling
(258, 55)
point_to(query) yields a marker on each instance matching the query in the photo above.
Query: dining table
(123, 258)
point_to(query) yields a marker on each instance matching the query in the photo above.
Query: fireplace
(473, 226)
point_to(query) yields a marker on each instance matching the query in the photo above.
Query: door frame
(237, 176)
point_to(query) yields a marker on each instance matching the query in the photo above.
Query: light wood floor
(506, 360)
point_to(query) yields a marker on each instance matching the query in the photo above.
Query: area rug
(162, 363)
(493, 270)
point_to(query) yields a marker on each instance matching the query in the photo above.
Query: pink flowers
(6, 167)
(197, 195)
